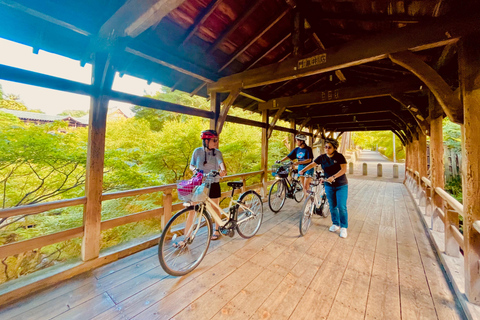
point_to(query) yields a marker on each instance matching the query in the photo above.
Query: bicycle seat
(235, 184)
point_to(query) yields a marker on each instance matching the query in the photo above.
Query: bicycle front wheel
(277, 195)
(298, 193)
(306, 217)
(184, 241)
(249, 214)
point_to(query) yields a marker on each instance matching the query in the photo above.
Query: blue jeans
(337, 198)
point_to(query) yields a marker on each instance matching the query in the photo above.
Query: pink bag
(186, 187)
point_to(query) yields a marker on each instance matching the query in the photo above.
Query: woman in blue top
(304, 156)
(334, 166)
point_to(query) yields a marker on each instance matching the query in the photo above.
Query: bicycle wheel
(249, 218)
(298, 193)
(306, 216)
(324, 206)
(180, 250)
(277, 195)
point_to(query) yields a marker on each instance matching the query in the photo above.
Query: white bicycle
(186, 237)
(315, 203)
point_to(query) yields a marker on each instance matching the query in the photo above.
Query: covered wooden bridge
(326, 67)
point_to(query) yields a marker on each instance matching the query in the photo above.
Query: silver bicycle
(186, 237)
(315, 203)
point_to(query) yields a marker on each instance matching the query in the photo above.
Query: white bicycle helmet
(301, 137)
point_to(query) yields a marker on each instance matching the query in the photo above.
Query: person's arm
(311, 165)
(193, 162)
(221, 164)
(304, 161)
(343, 170)
(223, 170)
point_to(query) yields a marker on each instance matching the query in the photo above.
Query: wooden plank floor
(385, 269)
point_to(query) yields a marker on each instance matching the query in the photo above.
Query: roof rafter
(357, 52)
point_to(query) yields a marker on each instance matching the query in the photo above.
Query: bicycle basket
(188, 191)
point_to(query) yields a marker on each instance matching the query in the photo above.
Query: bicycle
(186, 237)
(315, 203)
(283, 188)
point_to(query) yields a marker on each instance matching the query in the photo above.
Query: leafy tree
(452, 135)
(382, 139)
(74, 113)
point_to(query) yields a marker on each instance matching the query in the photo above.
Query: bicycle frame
(213, 209)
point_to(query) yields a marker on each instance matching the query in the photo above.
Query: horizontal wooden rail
(427, 182)
(476, 226)
(137, 192)
(41, 207)
(144, 215)
(457, 206)
(39, 242)
(457, 235)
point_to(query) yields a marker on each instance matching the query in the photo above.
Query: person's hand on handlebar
(278, 161)
(223, 173)
(330, 179)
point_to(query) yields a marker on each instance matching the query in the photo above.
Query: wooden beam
(353, 53)
(103, 74)
(303, 124)
(226, 107)
(45, 17)
(341, 94)
(173, 62)
(469, 67)
(215, 108)
(240, 20)
(200, 19)
(42, 80)
(412, 109)
(445, 96)
(136, 16)
(267, 52)
(264, 30)
(274, 121)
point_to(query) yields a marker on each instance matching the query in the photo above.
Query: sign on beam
(312, 61)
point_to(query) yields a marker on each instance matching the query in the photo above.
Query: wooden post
(310, 139)
(379, 170)
(437, 168)
(422, 154)
(469, 66)
(102, 79)
(167, 207)
(292, 136)
(264, 159)
(215, 108)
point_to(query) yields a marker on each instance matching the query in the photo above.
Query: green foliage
(452, 135)
(382, 139)
(12, 102)
(74, 113)
(40, 163)
(454, 187)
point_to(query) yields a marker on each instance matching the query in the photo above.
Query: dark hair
(205, 149)
(333, 142)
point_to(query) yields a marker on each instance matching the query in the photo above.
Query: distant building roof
(34, 116)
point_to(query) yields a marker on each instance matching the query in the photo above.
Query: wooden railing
(439, 204)
(164, 212)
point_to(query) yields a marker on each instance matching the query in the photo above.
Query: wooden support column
(215, 108)
(264, 159)
(422, 155)
(292, 136)
(102, 79)
(311, 138)
(437, 168)
(274, 121)
(469, 72)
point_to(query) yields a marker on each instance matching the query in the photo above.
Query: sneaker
(334, 228)
(343, 232)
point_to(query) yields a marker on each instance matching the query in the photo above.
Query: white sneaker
(343, 232)
(333, 228)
